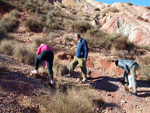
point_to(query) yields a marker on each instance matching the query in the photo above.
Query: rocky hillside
(25, 24)
(131, 20)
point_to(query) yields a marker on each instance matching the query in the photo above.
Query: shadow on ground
(104, 83)
(144, 84)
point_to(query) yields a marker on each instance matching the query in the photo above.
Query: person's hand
(85, 59)
(46, 67)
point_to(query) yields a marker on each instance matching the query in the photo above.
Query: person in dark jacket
(129, 68)
(80, 57)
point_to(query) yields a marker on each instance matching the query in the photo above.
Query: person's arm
(38, 51)
(85, 50)
(124, 66)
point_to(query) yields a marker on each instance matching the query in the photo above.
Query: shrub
(7, 47)
(38, 41)
(24, 55)
(122, 43)
(95, 33)
(129, 3)
(2, 2)
(80, 26)
(29, 6)
(111, 9)
(2, 68)
(51, 36)
(34, 26)
(51, 14)
(97, 9)
(145, 70)
(54, 24)
(59, 68)
(8, 24)
(4, 35)
(81, 101)
(146, 60)
(15, 14)
(147, 7)
(139, 17)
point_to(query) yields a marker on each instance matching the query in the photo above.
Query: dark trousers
(46, 56)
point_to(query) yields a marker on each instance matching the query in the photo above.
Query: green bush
(80, 26)
(8, 24)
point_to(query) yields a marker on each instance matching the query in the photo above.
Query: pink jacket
(42, 48)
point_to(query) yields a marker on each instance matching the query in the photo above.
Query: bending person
(45, 53)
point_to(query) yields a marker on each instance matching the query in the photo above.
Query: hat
(77, 35)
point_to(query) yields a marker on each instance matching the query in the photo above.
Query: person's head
(116, 62)
(77, 36)
(41, 44)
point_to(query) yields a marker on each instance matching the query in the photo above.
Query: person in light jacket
(129, 68)
(45, 53)
(80, 57)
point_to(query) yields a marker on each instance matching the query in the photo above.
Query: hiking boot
(34, 72)
(52, 81)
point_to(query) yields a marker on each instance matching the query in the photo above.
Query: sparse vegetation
(145, 70)
(111, 9)
(7, 47)
(97, 9)
(59, 68)
(79, 100)
(80, 26)
(15, 14)
(2, 68)
(2, 2)
(33, 25)
(4, 35)
(24, 55)
(129, 3)
(8, 24)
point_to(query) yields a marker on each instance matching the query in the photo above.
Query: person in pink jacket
(45, 53)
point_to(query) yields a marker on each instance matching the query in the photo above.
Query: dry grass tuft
(80, 26)
(74, 101)
(59, 69)
(7, 47)
(24, 55)
(8, 24)
(111, 9)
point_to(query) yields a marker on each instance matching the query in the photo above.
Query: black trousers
(46, 56)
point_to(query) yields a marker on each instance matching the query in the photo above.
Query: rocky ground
(17, 85)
